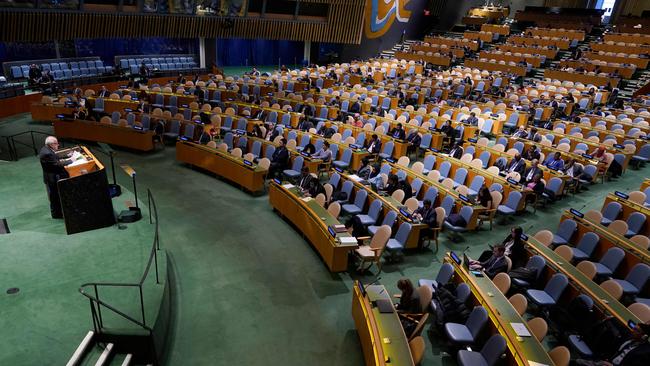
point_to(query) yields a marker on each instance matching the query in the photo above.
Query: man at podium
(53, 170)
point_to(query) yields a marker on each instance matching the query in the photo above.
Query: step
(78, 354)
(103, 358)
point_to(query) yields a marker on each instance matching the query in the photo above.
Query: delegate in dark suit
(516, 165)
(530, 173)
(279, 160)
(53, 171)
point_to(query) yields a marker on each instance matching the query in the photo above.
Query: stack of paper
(348, 240)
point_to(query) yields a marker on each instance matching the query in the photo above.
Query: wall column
(307, 52)
(202, 52)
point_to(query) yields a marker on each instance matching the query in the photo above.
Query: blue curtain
(106, 49)
(258, 52)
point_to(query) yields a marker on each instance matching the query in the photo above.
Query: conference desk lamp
(133, 214)
(114, 189)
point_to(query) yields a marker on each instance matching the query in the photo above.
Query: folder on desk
(348, 240)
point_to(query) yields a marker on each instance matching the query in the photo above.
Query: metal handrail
(96, 303)
(11, 143)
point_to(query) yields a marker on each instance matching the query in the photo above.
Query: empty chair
(635, 279)
(373, 213)
(417, 346)
(466, 213)
(641, 311)
(551, 292)
(488, 356)
(587, 268)
(358, 205)
(398, 243)
(618, 227)
(429, 162)
(511, 205)
(387, 151)
(442, 278)
(174, 130)
(389, 220)
(564, 232)
(476, 185)
(635, 223)
(344, 163)
(334, 209)
(294, 172)
(609, 262)
(372, 253)
(611, 213)
(466, 334)
(460, 176)
(585, 247)
(535, 263)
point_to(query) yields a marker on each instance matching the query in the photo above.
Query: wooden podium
(85, 198)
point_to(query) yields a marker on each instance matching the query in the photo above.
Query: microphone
(365, 287)
(582, 208)
(466, 249)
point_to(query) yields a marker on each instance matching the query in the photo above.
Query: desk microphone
(365, 287)
(466, 249)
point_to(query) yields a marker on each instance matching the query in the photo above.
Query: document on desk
(348, 240)
(288, 186)
(520, 329)
(77, 159)
(306, 199)
(355, 177)
(533, 363)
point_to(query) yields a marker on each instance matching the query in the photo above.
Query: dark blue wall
(258, 52)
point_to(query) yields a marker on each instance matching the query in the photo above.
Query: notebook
(520, 329)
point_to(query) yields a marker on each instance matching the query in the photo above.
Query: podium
(85, 198)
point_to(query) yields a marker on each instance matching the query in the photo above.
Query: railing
(11, 143)
(91, 290)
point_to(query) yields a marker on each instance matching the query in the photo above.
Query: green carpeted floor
(250, 290)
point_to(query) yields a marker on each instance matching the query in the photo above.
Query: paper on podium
(354, 177)
(77, 159)
(288, 186)
(520, 329)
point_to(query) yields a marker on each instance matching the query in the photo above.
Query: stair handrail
(96, 303)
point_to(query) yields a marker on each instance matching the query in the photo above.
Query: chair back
(360, 198)
(389, 219)
(544, 236)
(380, 239)
(618, 227)
(445, 167)
(594, 216)
(404, 161)
(398, 195)
(565, 252)
(555, 287)
(476, 320)
(264, 163)
(493, 349)
(447, 204)
(426, 294)
(334, 209)
(613, 288)
(641, 241)
(444, 274)
(412, 204)
(417, 347)
(612, 210)
(513, 200)
(638, 275)
(588, 243)
(502, 282)
(587, 268)
(297, 163)
(634, 223)
(641, 311)
(538, 327)
(320, 199)
(462, 292)
(519, 302)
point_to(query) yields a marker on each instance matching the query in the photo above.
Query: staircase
(93, 351)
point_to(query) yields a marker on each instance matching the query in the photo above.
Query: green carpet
(250, 290)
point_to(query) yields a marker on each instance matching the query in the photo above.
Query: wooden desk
(596, 80)
(535, 61)
(641, 63)
(503, 30)
(442, 193)
(558, 33)
(560, 43)
(432, 59)
(548, 150)
(627, 49)
(605, 302)
(626, 126)
(222, 164)
(490, 12)
(48, 112)
(452, 42)
(629, 208)
(489, 177)
(312, 220)
(103, 132)
(521, 350)
(475, 36)
(549, 53)
(457, 52)
(627, 38)
(373, 327)
(473, 20)
(389, 204)
(609, 239)
(491, 66)
(624, 71)
(115, 105)
(620, 138)
(495, 154)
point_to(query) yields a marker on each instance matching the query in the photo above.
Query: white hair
(50, 140)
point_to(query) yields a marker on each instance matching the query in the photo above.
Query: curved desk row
(314, 222)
